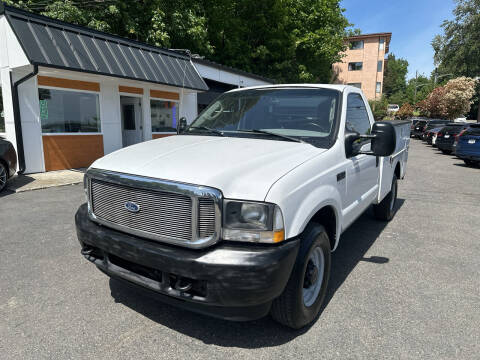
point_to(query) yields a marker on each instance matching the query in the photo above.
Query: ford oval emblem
(132, 207)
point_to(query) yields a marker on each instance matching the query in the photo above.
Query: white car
(393, 108)
(237, 215)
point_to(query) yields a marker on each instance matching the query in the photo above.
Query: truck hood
(242, 168)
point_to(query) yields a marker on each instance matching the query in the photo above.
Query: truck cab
(237, 215)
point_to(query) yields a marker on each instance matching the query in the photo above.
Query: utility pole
(478, 111)
(415, 96)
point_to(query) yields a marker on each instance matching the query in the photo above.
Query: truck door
(362, 171)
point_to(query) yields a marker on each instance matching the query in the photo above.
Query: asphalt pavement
(408, 289)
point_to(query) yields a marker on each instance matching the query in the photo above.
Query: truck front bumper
(230, 281)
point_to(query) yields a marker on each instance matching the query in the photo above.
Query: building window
(357, 85)
(63, 111)
(381, 44)
(379, 65)
(355, 66)
(378, 88)
(164, 115)
(2, 116)
(355, 45)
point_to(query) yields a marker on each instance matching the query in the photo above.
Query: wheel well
(398, 170)
(326, 217)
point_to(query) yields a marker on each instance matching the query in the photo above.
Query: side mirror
(350, 149)
(182, 125)
(383, 138)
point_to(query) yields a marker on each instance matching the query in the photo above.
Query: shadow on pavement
(265, 332)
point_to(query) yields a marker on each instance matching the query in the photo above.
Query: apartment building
(363, 65)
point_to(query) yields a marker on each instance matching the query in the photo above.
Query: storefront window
(64, 111)
(164, 115)
(2, 116)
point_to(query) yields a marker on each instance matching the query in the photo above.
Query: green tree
(423, 85)
(394, 80)
(288, 40)
(457, 51)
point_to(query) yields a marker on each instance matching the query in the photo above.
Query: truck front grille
(160, 213)
(189, 217)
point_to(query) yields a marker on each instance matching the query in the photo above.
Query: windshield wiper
(215, 131)
(257, 131)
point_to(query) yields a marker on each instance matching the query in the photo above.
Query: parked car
(393, 108)
(8, 162)
(432, 135)
(417, 131)
(468, 145)
(431, 125)
(446, 137)
(237, 215)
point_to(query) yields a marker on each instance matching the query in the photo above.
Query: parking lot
(406, 289)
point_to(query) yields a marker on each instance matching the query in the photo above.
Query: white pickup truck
(236, 216)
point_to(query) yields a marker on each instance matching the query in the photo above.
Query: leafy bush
(450, 101)
(379, 108)
(458, 96)
(405, 112)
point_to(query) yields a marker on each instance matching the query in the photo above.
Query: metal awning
(52, 43)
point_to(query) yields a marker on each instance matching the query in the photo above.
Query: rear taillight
(439, 134)
(460, 133)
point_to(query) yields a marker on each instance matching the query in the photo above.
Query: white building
(72, 94)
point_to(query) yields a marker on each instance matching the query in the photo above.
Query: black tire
(386, 209)
(289, 308)
(3, 176)
(470, 163)
(447, 152)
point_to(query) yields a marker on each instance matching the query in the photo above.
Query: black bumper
(472, 157)
(445, 145)
(229, 281)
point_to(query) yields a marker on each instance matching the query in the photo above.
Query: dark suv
(8, 162)
(432, 124)
(447, 136)
(417, 129)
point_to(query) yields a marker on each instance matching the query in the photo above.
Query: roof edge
(7, 9)
(231, 69)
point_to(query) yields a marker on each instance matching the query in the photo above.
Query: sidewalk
(37, 181)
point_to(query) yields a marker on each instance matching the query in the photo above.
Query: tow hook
(86, 251)
(182, 285)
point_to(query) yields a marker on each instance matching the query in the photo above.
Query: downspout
(17, 118)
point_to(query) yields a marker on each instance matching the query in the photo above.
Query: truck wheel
(303, 296)
(385, 210)
(3, 176)
(467, 162)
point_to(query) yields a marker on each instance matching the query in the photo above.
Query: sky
(413, 24)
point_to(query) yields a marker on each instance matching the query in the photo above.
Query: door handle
(341, 176)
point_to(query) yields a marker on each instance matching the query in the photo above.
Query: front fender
(300, 206)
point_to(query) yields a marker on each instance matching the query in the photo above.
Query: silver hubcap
(313, 279)
(3, 176)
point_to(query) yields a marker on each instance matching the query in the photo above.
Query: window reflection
(69, 111)
(164, 115)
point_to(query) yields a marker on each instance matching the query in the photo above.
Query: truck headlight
(252, 222)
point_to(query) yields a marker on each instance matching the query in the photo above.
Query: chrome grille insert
(166, 211)
(206, 217)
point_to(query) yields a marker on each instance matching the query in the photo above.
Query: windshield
(301, 114)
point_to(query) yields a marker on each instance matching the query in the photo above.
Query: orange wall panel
(164, 95)
(68, 84)
(131, 90)
(71, 151)
(158, 136)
